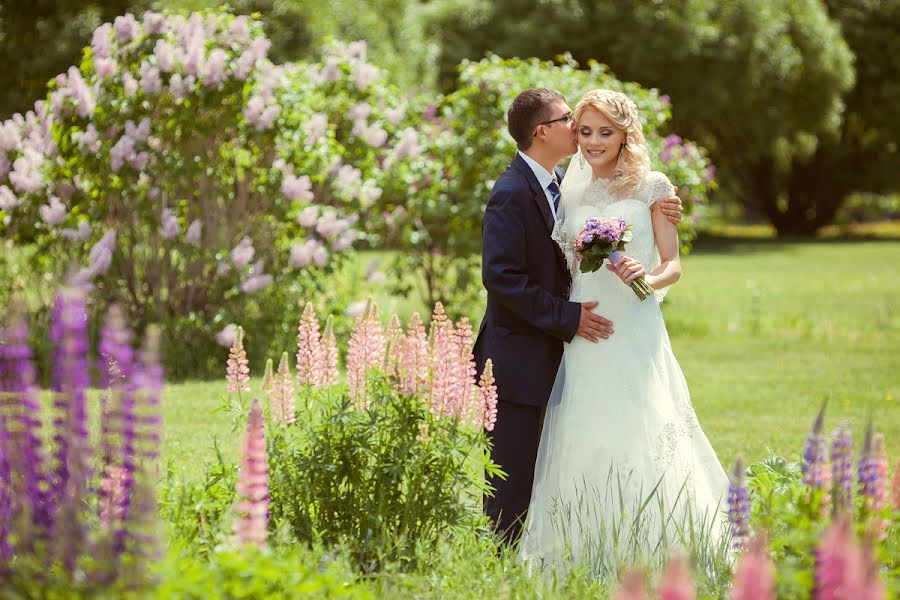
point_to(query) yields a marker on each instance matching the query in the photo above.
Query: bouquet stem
(640, 286)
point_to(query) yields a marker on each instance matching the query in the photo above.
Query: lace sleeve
(657, 187)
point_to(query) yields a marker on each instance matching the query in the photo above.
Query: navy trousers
(516, 438)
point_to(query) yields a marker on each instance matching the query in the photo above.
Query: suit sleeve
(504, 272)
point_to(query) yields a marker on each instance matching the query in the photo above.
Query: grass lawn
(765, 332)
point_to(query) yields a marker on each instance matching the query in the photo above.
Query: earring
(580, 159)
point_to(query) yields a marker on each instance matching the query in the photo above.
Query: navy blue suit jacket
(528, 314)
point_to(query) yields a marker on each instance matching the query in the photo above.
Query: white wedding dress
(624, 472)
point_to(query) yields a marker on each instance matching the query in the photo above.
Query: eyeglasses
(566, 118)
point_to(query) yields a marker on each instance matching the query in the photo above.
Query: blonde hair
(633, 163)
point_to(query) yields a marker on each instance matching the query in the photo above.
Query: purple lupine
(867, 470)
(842, 467)
(816, 470)
(5, 496)
(116, 364)
(17, 380)
(738, 507)
(68, 483)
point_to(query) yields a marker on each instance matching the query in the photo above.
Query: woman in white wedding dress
(624, 470)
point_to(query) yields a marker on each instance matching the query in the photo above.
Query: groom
(528, 314)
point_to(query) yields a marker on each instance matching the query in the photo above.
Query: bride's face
(599, 139)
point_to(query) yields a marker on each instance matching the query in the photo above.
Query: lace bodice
(634, 207)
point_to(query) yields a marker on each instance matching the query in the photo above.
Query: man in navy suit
(528, 314)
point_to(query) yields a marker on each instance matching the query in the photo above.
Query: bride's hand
(628, 269)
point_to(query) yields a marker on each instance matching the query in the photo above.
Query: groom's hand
(671, 207)
(593, 327)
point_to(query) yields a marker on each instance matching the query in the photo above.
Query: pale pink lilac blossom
(255, 283)
(26, 176)
(297, 188)
(227, 335)
(151, 82)
(214, 70)
(79, 234)
(170, 225)
(8, 200)
(315, 128)
(129, 84)
(54, 212)
(242, 254)
(101, 41)
(165, 56)
(308, 216)
(194, 232)
(302, 253)
(126, 28)
(154, 23)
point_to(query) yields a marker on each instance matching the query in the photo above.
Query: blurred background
(798, 102)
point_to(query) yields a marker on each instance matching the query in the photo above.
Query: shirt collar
(543, 176)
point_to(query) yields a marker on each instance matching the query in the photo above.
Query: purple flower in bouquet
(842, 467)
(605, 238)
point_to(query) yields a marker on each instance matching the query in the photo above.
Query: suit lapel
(538, 196)
(537, 192)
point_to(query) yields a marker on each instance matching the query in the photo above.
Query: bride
(623, 469)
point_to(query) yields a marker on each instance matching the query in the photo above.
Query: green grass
(765, 332)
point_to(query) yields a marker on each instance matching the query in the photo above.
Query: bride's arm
(666, 234)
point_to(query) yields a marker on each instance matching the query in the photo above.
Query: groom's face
(558, 132)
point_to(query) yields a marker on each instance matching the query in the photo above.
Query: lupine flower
(738, 507)
(68, 484)
(113, 495)
(843, 568)
(754, 574)
(329, 354)
(873, 477)
(443, 353)
(676, 582)
(23, 424)
(632, 586)
(238, 368)
(310, 357)
(842, 467)
(487, 393)
(6, 512)
(267, 386)
(253, 482)
(414, 362)
(816, 468)
(283, 393)
(364, 351)
(466, 399)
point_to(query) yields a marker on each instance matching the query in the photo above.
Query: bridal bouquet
(600, 239)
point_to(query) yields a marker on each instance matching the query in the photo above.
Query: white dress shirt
(544, 178)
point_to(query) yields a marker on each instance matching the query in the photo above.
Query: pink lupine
(464, 387)
(329, 354)
(267, 386)
(395, 340)
(283, 393)
(414, 363)
(364, 351)
(877, 498)
(113, 494)
(487, 394)
(676, 582)
(238, 367)
(843, 568)
(310, 357)
(754, 574)
(632, 586)
(443, 345)
(253, 483)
